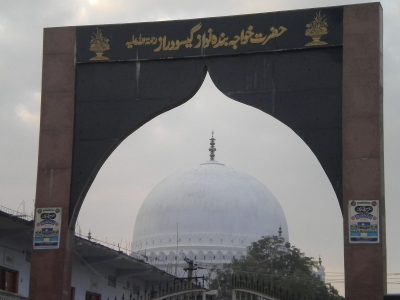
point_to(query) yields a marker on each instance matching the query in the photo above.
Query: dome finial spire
(212, 148)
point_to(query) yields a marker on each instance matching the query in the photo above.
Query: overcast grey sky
(247, 139)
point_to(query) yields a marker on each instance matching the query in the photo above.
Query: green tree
(276, 267)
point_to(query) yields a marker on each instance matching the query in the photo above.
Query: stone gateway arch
(319, 71)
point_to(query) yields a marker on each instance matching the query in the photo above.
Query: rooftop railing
(17, 214)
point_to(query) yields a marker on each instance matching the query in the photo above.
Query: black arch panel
(296, 88)
(113, 100)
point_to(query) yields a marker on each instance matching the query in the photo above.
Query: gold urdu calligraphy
(207, 39)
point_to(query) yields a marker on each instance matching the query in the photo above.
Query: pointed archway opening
(248, 140)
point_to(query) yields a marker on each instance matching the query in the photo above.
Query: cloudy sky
(247, 139)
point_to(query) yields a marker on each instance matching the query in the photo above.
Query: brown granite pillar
(50, 277)
(363, 169)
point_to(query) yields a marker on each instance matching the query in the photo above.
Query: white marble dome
(210, 214)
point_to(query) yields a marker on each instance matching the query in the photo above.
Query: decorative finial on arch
(212, 148)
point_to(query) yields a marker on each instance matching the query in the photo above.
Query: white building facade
(98, 272)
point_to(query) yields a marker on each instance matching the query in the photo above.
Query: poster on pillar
(46, 234)
(364, 221)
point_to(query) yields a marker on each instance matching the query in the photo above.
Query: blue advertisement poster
(46, 234)
(364, 221)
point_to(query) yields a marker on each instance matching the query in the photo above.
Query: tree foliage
(276, 267)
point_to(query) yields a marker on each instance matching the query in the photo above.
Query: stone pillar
(363, 165)
(50, 276)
